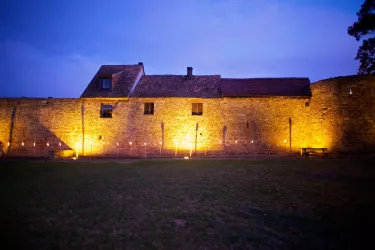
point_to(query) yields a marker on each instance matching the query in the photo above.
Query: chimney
(143, 68)
(189, 75)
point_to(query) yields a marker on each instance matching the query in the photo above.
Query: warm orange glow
(76, 150)
(186, 157)
(190, 135)
(183, 142)
(185, 135)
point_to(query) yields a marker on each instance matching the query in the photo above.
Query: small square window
(106, 111)
(149, 108)
(105, 83)
(197, 109)
(307, 104)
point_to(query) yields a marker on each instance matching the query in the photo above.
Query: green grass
(195, 204)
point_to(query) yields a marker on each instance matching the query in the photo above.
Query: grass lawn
(194, 204)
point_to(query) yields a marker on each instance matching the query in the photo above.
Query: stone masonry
(340, 115)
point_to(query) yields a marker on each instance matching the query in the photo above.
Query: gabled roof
(123, 79)
(126, 83)
(178, 86)
(298, 87)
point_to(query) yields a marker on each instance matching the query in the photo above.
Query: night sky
(54, 47)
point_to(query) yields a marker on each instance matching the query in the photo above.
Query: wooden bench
(307, 151)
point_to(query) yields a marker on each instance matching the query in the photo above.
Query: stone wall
(259, 125)
(32, 127)
(346, 119)
(332, 118)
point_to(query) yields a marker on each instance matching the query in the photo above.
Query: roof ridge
(264, 78)
(120, 65)
(176, 75)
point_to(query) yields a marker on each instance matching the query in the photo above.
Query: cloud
(247, 37)
(234, 38)
(36, 71)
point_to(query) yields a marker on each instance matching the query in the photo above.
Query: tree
(364, 29)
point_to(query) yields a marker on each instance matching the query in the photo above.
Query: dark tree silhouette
(364, 29)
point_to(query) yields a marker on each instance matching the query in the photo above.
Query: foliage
(364, 29)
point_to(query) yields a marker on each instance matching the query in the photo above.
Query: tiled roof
(178, 86)
(210, 86)
(265, 87)
(123, 79)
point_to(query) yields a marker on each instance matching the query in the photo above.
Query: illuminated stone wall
(40, 121)
(259, 125)
(341, 120)
(332, 118)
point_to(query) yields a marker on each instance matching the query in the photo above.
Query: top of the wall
(38, 101)
(350, 79)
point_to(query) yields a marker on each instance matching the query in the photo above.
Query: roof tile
(205, 86)
(265, 87)
(178, 86)
(123, 78)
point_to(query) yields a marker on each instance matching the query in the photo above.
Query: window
(149, 108)
(105, 83)
(197, 109)
(106, 111)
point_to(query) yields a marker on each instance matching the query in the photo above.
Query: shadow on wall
(162, 138)
(358, 137)
(32, 138)
(12, 120)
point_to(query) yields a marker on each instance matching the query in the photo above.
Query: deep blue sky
(54, 47)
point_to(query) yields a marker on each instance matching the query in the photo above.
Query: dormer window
(105, 83)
